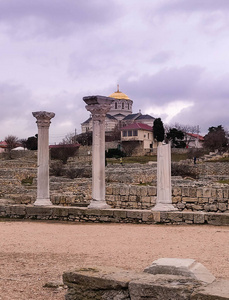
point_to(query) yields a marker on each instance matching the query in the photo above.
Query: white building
(120, 114)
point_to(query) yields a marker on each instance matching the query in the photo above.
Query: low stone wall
(212, 198)
(77, 214)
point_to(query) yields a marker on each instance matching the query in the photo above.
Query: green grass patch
(145, 159)
(225, 181)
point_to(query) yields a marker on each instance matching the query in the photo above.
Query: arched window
(116, 105)
(122, 105)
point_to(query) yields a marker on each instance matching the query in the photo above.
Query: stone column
(43, 123)
(99, 107)
(164, 187)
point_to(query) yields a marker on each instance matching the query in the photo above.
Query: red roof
(3, 144)
(137, 126)
(197, 136)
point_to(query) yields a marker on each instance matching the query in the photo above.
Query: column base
(98, 204)
(42, 202)
(164, 207)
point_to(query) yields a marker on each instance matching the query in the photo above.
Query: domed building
(122, 106)
(120, 114)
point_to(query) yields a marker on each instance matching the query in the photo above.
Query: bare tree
(12, 142)
(69, 138)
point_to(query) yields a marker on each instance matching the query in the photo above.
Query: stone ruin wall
(126, 186)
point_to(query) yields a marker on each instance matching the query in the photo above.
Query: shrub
(183, 170)
(57, 169)
(115, 152)
(63, 152)
(74, 173)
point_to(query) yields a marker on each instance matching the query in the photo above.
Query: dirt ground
(34, 253)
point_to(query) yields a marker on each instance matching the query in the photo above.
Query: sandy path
(33, 253)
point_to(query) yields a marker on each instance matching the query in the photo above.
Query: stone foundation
(78, 214)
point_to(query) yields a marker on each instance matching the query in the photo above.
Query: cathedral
(120, 114)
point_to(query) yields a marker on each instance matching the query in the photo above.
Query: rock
(162, 287)
(182, 267)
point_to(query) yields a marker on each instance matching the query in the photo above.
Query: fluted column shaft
(98, 106)
(43, 123)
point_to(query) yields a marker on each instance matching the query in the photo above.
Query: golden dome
(119, 95)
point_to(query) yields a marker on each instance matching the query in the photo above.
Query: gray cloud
(55, 18)
(195, 5)
(166, 85)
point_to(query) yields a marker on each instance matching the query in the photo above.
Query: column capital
(98, 106)
(98, 111)
(43, 118)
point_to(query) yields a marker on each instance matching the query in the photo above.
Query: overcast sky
(171, 57)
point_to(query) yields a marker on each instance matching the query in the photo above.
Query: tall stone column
(43, 123)
(164, 186)
(99, 107)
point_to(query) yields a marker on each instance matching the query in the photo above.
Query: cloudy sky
(171, 57)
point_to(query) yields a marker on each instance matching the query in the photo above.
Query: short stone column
(164, 186)
(99, 107)
(43, 123)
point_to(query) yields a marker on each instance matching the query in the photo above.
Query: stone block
(213, 193)
(134, 214)
(181, 267)
(143, 192)
(94, 283)
(222, 206)
(189, 199)
(202, 200)
(133, 190)
(124, 190)
(132, 198)
(162, 287)
(41, 211)
(147, 216)
(197, 207)
(185, 191)
(218, 290)
(213, 207)
(199, 218)
(188, 216)
(124, 198)
(176, 199)
(151, 191)
(175, 216)
(17, 210)
(176, 191)
(153, 199)
(121, 214)
(199, 192)
(219, 193)
(217, 219)
(193, 192)
(226, 193)
(207, 192)
(145, 199)
(109, 190)
(156, 216)
(60, 211)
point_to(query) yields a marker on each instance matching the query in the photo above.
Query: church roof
(89, 119)
(119, 95)
(132, 116)
(141, 117)
(137, 126)
(110, 117)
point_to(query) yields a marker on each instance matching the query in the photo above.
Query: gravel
(34, 255)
